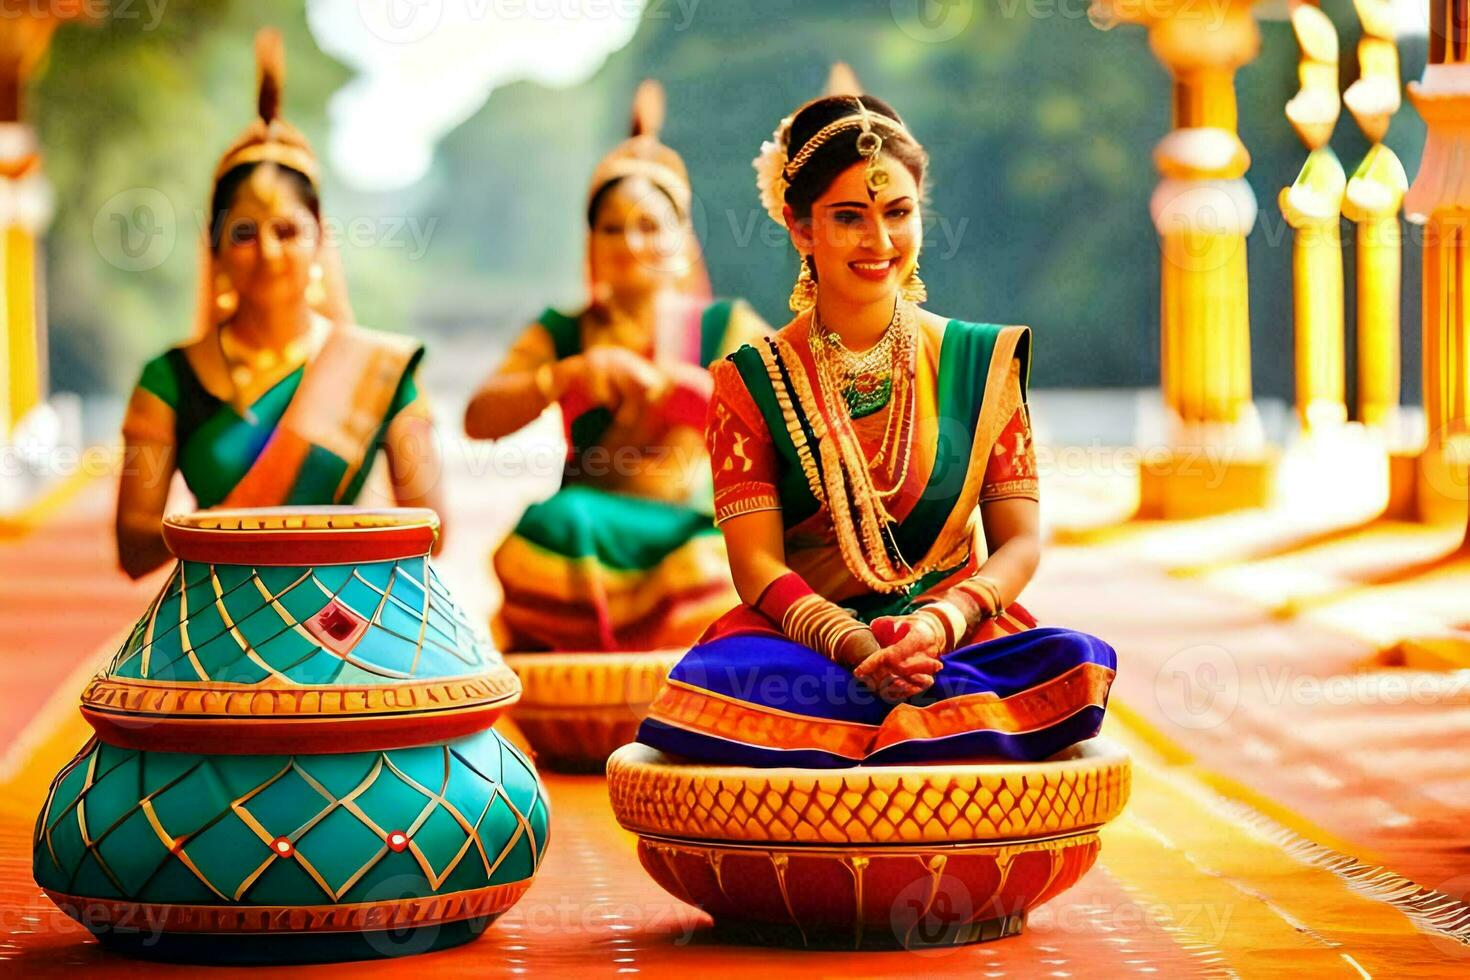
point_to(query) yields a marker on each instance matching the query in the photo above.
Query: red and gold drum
(873, 856)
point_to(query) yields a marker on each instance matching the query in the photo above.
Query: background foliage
(1040, 129)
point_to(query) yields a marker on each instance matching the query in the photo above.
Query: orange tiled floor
(1174, 858)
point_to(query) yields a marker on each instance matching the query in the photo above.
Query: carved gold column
(1203, 210)
(24, 209)
(1440, 199)
(1313, 207)
(1374, 196)
(22, 212)
(25, 204)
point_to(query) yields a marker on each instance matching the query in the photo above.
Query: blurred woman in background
(279, 399)
(625, 555)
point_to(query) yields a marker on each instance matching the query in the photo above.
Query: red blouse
(745, 463)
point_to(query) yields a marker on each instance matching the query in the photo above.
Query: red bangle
(780, 594)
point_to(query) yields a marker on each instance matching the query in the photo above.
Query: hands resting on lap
(907, 658)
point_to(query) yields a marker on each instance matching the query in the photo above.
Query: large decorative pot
(293, 759)
(577, 708)
(877, 856)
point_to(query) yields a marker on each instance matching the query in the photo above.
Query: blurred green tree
(1040, 129)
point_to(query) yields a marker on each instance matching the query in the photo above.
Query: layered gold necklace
(865, 378)
(866, 382)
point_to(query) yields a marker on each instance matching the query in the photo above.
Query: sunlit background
(458, 136)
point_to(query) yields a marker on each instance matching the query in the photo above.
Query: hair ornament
(869, 144)
(770, 172)
(269, 138)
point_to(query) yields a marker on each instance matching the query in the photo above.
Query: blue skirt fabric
(758, 699)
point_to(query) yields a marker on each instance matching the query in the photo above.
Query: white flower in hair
(770, 173)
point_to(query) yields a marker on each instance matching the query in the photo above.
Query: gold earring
(226, 299)
(804, 293)
(913, 288)
(316, 292)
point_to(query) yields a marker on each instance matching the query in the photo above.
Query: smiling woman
(280, 398)
(624, 557)
(876, 485)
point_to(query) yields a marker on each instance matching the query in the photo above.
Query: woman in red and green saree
(280, 399)
(876, 484)
(625, 555)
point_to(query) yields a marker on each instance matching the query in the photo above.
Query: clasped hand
(621, 379)
(908, 657)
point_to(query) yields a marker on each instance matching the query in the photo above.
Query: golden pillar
(1203, 210)
(1440, 200)
(25, 205)
(24, 201)
(1313, 207)
(1374, 196)
(22, 212)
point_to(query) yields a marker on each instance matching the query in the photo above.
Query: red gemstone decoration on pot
(336, 627)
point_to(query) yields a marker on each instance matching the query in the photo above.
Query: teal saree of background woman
(309, 438)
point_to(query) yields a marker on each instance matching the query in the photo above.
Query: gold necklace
(898, 430)
(897, 441)
(899, 340)
(244, 364)
(867, 377)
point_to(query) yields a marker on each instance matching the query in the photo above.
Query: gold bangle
(951, 621)
(984, 592)
(993, 588)
(819, 625)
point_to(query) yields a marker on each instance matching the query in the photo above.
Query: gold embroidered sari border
(747, 505)
(794, 428)
(1028, 488)
(994, 414)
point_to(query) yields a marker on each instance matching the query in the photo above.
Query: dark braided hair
(840, 152)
